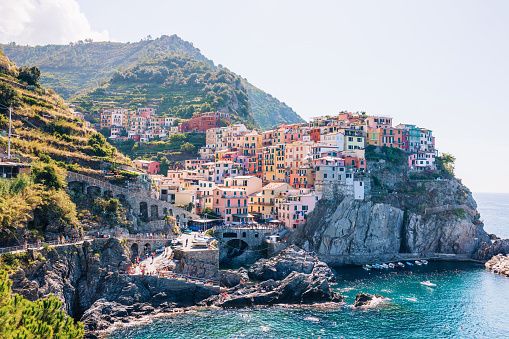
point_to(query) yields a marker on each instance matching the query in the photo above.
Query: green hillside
(267, 110)
(176, 85)
(75, 70)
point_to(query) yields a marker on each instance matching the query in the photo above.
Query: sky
(437, 64)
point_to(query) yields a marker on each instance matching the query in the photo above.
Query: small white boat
(417, 262)
(428, 283)
(200, 242)
(391, 265)
(385, 266)
(366, 267)
(400, 264)
(425, 262)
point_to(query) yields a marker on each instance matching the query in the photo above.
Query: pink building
(293, 210)
(231, 204)
(152, 167)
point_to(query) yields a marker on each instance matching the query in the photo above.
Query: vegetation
(155, 150)
(267, 110)
(445, 164)
(175, 84)
(46, 130)
(35, 202)
(138, 72)
(393, 155)
(21, 318)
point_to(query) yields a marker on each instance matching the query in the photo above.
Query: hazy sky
(438, 64)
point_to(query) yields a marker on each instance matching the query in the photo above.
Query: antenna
(10, 123)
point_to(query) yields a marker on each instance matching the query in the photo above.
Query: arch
(77, 186)
(147, 249)
(244, 234)
(144, 211)
(94, 191)
(235, 247)
(171, 212)
(134, 251)
(154, 212)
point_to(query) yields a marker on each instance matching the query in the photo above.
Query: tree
(21, 318)
(205, 108)
(187, 148)
(8, 96)
(30, 75)
(48, 175)
(445, 164)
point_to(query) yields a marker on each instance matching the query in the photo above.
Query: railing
(38, 246)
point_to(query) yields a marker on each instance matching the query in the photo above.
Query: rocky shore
(91, 282)
(499, 264)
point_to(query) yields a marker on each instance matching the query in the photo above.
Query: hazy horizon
(437, 65)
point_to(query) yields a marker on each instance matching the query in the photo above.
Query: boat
(409, 263)
(417, 262)
(400, 264)
(366, 267)
(377, 267)
(428, 283)
(200, 241)
(385, 266)
(424, 261)
(391, 265)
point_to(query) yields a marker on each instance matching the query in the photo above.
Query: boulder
(291, 259)
(296, 288)
(365, 300)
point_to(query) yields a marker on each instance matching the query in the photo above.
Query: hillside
(79, 68)
(176, 85)
(47, 135)
(267, 110)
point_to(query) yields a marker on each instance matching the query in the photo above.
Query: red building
(204, 121)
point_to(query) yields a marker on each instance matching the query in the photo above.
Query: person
(186, 242)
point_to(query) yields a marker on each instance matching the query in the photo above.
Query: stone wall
(198, 263)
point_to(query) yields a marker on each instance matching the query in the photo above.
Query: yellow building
(372, 137)
(263, 203)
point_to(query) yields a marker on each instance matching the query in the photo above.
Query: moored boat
(424, 261)
(417, 262)
(428, 283)
(391, 265)
(409, 263)
(366, 267)
(385, 266)
(400, 264)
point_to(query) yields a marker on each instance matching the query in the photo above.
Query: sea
(467, 302)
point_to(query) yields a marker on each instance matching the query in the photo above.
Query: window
(325, 176)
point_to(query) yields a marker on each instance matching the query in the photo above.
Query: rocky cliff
(419, 217)
(88, 279)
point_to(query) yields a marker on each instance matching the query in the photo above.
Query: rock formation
(365, 300)
(487, 250)
(499, 264)
(421, 218)
(291, 259)
(89, 281)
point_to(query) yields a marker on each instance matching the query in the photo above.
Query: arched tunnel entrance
(144, 211)
(134, 251)
(234, 248)
(147, 249)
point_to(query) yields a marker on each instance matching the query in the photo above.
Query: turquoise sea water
(468, 302)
